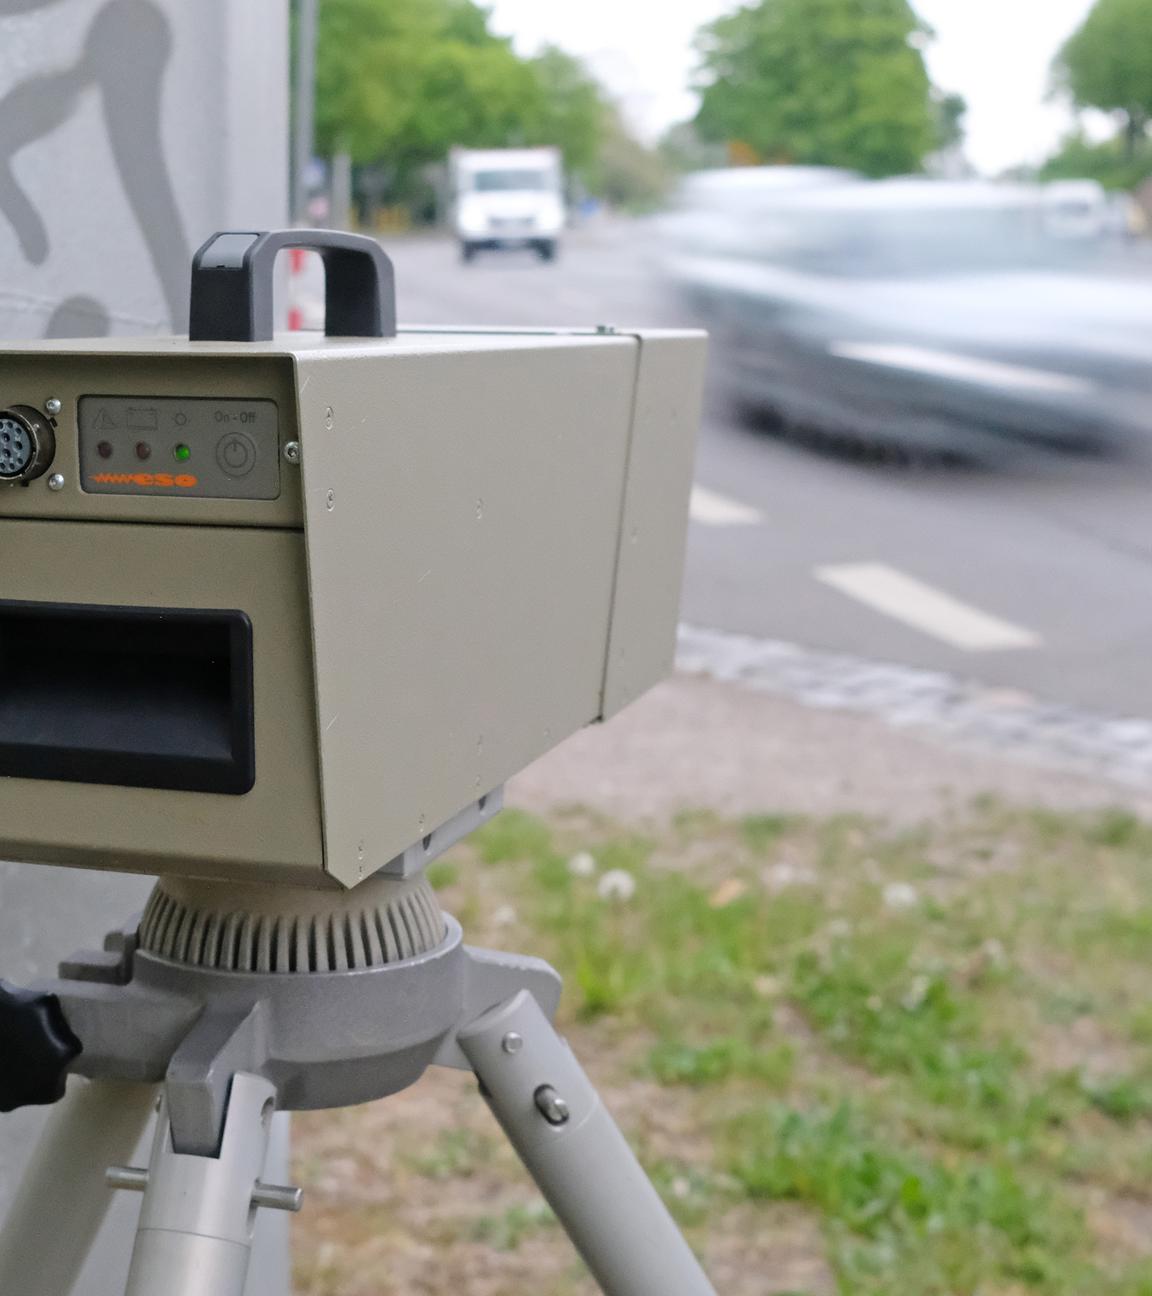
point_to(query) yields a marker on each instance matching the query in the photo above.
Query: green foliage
(918, 1080)
(569, 109)
(514, 836)
(683, 149)
(1122, 1098)
(1107, 63)
(900, 1220)
(627, 174)
(675, 1062)
(762, 832)
(516, 1225)
(951, 109)
(874, 1007)
(455, 1154)
(1118, 828)
(820, 82)
(442, 873)
(400, 82)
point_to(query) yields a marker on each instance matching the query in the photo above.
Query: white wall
(130, 130)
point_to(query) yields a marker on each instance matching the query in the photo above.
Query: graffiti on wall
(131, 108)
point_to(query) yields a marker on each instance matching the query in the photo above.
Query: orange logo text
(168, 481)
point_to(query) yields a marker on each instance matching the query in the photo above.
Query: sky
(996, 53)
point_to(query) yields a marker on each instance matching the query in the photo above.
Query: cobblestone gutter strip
(1008, 722)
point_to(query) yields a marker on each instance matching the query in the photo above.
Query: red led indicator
(143, 450)
(104, 449)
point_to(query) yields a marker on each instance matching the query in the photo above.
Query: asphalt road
(1032, 574)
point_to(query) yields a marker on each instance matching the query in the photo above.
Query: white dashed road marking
(712, 509)
(926, 609)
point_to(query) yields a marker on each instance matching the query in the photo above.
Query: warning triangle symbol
(104, 421)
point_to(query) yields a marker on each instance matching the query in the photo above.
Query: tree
(683, 150)
(820, 82)
(950, 109)
(571, 113)
(401, 81)
(1109, 162)
(1107, 64)
(628, 174)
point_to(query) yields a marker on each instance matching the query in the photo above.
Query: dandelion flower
(582, 865)
(900, 896)
(616, 884)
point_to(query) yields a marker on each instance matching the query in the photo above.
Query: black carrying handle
(232, 285)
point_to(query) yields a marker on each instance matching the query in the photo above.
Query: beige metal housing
(477, 551)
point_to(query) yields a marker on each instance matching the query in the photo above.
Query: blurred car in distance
(507, 198)
(933, 315)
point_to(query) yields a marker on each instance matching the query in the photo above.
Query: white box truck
(507, 198)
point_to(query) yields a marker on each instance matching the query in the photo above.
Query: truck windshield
(498, 181)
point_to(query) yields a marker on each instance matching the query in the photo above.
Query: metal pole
(196, 1223)
(341, 195)
(304, 117)
(573, 1149)
(63, 1198)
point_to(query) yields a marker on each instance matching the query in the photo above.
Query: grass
(932, 1047)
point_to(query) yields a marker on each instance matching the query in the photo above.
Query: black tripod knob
(36, 1048)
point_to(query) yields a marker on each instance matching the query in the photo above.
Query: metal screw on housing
(56, 482)
(53, 406)
(292, 452)
(551, 1106)
(512, 1043)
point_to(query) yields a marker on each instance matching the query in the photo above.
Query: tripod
(241, 1001)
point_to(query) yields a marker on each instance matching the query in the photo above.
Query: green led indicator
(182, 453)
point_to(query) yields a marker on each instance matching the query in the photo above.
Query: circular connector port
(27, 444)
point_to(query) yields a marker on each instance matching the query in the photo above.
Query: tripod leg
(195, 1232)
(63, 1198)
(572, 1148)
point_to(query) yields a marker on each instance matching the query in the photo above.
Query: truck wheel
(546, 250)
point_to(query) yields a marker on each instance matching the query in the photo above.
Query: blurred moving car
(507, 198)
(714, 210)
(1075, 209)
(936, 315)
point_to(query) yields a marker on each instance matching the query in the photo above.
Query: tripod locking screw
(277, 1197)
(132, 1178)
(270, 1196)
(551, 1106)
(38, 1048)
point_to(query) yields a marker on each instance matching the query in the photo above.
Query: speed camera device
(292, 609)
(278, 618)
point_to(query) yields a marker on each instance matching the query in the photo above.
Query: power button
(236, 454)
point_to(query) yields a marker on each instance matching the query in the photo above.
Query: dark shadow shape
(25, 6)
(79, 317)
(36, 107)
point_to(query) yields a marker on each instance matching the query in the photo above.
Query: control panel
(179, 446)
